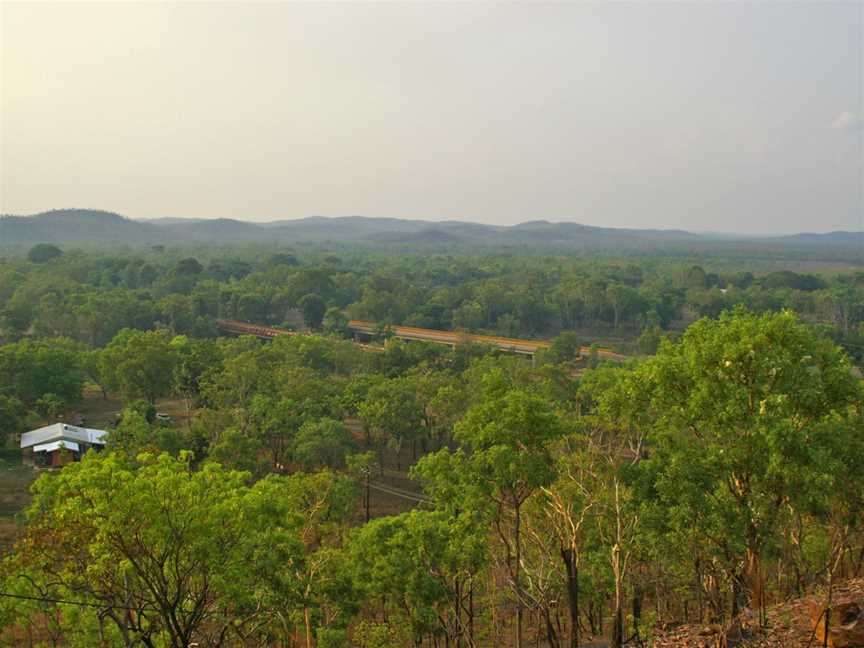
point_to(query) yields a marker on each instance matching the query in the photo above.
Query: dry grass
(15, 496)
(101, 412)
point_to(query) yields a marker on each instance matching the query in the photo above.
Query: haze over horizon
(739, 118)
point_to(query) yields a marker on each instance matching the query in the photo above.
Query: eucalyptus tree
(30, 369)
(442, 399)
(151, 552)
(739, 420)
(391, 413)
(313, 308)
(12, 417)
(460, 502)
(194, 359)
(561, 515)
(421, 563)
(509, 433)
(302, 575)
(158, 551)
(322, 443)
(138, 364)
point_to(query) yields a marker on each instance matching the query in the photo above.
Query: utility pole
(366, 472)
(367, 478)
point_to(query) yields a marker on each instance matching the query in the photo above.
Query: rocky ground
(790, 625)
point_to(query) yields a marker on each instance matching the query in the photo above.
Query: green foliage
(43, 252)
(282, 258)
(134, 433)
(332, 638)
(324, 443)
(696, 277)
(189, 266)
(139, 364)
(313, 308)
(509, 434)
(650, 339)
(29, 370)
(742, 414)
(50, 405)
(237, 451)
(194, 358)
(732, 453)
(172, 542)
(414, 560)
(145, 410)
(91, 296)
(335, 322)
(381, 635)
(193, 552)
(12, 414)
(565, 347)
(391, 412)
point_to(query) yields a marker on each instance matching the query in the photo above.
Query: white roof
(56, 445)
(63, 432)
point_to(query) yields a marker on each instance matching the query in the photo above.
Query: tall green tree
(308, 581)
(564, 512)
(391, 413)
(323, 443)
(139, 364)
(30, 369)
(151, 552)
(313, 308)
(193, 359)
(335, 322)
(737, 419)
(166, 555)
(421, 565)
(12, 416)
(509, 434)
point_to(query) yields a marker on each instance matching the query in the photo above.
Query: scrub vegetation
(312, 491)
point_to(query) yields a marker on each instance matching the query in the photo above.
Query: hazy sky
(707, 116)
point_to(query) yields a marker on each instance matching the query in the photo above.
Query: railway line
(242, 328)
(510, 345)
(452, 338)
(369, 330)
(269, 332)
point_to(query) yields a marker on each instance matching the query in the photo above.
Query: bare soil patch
(789, 625)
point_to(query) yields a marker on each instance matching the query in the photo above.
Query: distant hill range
(93, 226)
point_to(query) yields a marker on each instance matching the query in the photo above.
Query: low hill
(75, 226)
(828, 238)
(94, 226)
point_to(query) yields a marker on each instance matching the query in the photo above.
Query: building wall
(61, 458)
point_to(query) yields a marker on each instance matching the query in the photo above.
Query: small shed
(56, 445)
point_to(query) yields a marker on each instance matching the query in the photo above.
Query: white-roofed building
(58, 444)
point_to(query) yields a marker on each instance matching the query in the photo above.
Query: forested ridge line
(92, 227)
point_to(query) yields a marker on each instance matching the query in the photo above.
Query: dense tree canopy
(89, 297)
(313, 490)
(741, 416)
(43, 252)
